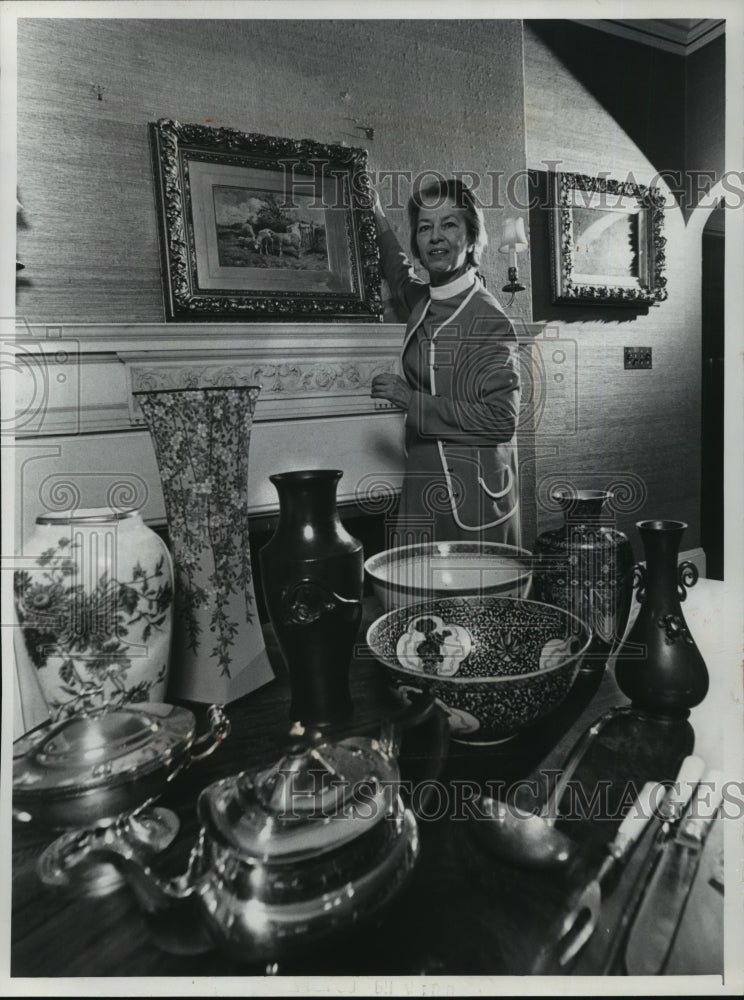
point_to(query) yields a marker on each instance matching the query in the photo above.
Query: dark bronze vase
(586, 567)
(659, 667)
(313, 574)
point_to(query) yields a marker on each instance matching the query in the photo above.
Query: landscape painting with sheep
(257, 228)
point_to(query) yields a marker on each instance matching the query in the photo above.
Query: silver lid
(100, 750)
(314, 799)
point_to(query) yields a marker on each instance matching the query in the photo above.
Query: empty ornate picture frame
(256, 227)
(606, 241)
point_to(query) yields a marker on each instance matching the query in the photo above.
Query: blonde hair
(436, 193)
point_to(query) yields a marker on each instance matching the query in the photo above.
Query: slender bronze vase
(313, 573)
(586, 567)
(659, 667)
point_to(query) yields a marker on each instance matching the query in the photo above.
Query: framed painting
(607, 243)
(256, 227)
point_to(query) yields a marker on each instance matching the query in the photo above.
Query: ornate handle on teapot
(307, 599)
(417, 711)
(219, 730)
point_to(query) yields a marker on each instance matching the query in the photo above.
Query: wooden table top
(463, 912)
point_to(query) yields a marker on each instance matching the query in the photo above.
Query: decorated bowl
(413, 573)
(495, 664)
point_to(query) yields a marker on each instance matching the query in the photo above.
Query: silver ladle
(527, 838)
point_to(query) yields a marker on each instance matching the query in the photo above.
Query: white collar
(453, 288)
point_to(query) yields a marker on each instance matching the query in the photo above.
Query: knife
(579, 920)
(601, 957)
(679, 794)
(660, 913)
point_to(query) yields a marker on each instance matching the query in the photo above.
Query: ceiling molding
(679, 36)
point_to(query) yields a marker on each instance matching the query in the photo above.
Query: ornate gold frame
(191, 162)
(580, 204)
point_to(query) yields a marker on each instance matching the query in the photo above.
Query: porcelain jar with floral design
(201, 438)
(94, 602)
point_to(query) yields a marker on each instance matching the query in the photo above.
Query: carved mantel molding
(78, 378)
(75, 382)
(295, 383)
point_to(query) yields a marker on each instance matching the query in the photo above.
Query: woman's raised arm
(405, 286)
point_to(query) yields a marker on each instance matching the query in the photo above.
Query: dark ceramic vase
(313, 573)
(659, 667)
(586, 567)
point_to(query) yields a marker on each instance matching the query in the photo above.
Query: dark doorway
(711, 498)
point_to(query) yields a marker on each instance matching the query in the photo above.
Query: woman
(461, 388)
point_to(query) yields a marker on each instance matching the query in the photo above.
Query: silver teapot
(289, 853)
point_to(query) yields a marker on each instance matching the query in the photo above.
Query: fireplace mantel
(79, 378)
(78, 423)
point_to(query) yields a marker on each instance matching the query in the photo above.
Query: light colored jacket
(472, 410)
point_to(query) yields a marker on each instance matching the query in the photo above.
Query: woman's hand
(393, 388)
(376, 203)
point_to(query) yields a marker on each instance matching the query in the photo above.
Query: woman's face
(442, 241)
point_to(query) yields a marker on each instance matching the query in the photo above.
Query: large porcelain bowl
(414, 573)
(495, 664)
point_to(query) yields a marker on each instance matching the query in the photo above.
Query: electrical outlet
(637, 357)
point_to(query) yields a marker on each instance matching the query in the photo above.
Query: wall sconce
(513, 241)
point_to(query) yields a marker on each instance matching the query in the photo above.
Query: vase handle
(307, 599)
(639, 581)
(687, 576)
